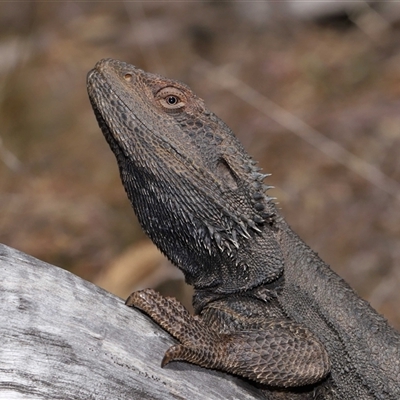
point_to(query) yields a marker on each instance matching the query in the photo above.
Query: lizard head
(195, 190)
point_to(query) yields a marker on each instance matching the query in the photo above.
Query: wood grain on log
(64, 338)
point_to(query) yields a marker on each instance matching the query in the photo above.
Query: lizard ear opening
(227, 176)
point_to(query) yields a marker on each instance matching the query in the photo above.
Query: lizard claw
(174, 353)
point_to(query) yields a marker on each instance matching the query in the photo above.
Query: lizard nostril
(128, 77)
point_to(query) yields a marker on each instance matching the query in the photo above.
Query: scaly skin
(267, 307)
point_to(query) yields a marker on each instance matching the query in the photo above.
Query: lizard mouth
(96, 80)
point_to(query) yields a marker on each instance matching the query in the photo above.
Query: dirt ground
(315, 98)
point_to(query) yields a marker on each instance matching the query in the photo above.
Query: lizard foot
(282, 353)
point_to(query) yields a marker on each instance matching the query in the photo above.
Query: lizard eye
(171, 98)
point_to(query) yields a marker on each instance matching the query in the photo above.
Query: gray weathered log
(64, 338)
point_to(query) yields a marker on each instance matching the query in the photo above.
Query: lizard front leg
(282, 353)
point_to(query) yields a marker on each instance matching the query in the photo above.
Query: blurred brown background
(325, 73)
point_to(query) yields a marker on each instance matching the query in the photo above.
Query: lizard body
(267, 307)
